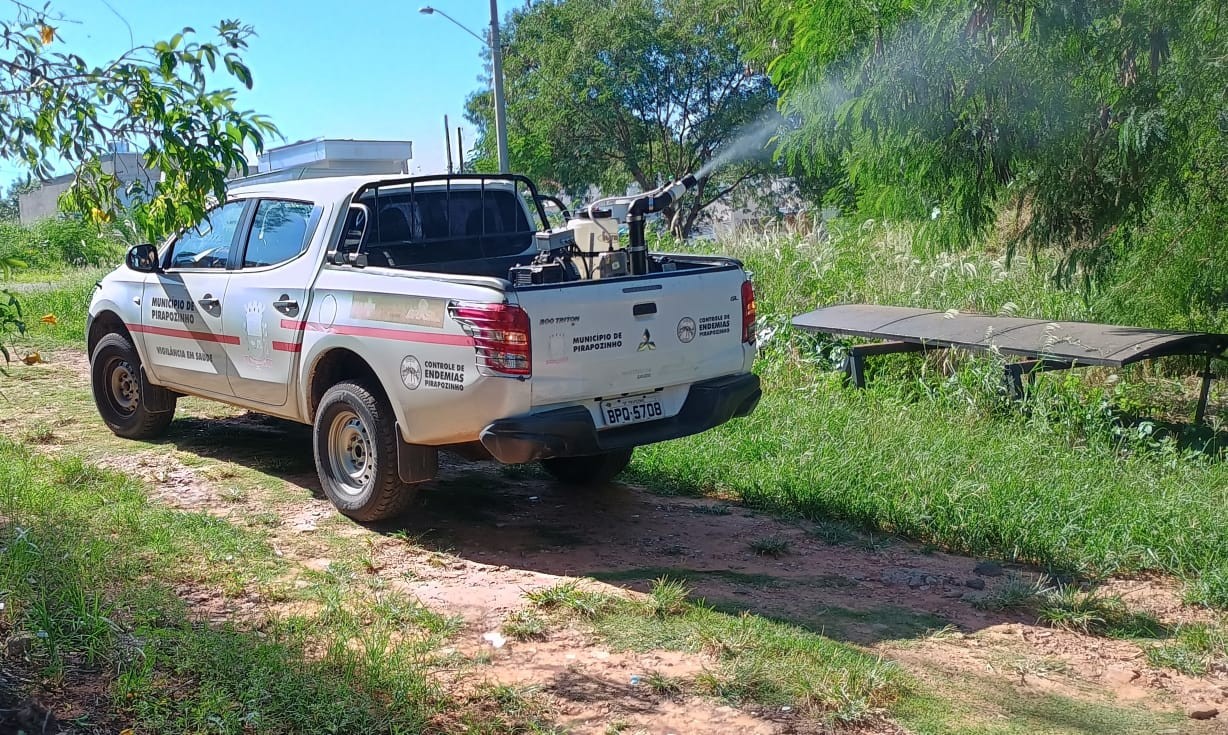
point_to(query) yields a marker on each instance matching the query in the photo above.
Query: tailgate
(612, 337)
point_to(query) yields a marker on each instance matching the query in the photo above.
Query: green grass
(995, 708)
(1195, 649)
(757, 661)
(1066, 606)
(525, 625)
(774, 546)
(91, 570)
(66, 296)
(946, 459)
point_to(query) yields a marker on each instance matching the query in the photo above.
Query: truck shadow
(830, 578)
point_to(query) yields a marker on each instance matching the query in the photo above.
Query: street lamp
(496, 58)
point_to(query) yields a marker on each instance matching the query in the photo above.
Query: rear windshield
(436, 226)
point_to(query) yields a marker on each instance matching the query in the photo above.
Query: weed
(662, 684)
(1066, 606)
(1196, 650)
(712, 509)
(233, 495)
(399, 611)
(744, 680)
(774, 546)
(833, 532)
(405, 536)
(1036, 666)
(668, 597)
(873, 542)
(524, 625)
(267, 519)
(570, 596)
(40, 433)
(1210, 588)
(1015, 592)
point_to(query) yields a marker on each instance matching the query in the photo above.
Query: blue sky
(374, 69)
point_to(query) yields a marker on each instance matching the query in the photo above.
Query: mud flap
(416, 462)
(157, 399)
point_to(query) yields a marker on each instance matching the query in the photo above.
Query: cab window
(280, 231)
(207, 245)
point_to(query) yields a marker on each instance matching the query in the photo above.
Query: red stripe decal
(402, 335)
(184, 334)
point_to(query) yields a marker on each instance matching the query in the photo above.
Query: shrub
(54, 244)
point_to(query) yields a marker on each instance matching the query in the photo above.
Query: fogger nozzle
(658, 199)
(654, 201)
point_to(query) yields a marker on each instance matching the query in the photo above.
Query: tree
(10, 209)
(55, 107)
(609, 92)
(1083, 119)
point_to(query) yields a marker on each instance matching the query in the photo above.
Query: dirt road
(482, 536)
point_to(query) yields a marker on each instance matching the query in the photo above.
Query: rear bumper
(570, 432)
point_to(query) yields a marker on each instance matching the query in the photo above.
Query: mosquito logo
(686, 329)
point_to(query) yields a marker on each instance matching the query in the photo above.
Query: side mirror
(143, 258)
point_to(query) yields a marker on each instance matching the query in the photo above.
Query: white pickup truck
(399, 317)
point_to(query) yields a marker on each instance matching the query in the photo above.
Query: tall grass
(58, 244)
(934, 451)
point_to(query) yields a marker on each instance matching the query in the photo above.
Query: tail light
(748, 312)
(500, 335)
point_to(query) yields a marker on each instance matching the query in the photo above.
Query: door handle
(286, 305)
(208, 302)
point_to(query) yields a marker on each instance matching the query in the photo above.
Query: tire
(122, 393)
(356, 454)
(596, 469)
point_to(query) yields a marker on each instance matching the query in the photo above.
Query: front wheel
(123, 395)
(595, 469)
(356, 454)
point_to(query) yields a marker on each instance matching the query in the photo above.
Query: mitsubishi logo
(646, 343)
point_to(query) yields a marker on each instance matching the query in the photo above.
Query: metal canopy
(1041, 345)
(1076, 343)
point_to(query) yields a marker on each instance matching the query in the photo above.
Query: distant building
(302, 160)
(322, 157)
(43, 201)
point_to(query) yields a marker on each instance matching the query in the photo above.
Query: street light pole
(496, 58)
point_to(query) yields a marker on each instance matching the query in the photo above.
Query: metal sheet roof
(1081, 343)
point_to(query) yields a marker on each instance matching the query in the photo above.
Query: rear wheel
(595, 469)
(122, 393)
(356, 454)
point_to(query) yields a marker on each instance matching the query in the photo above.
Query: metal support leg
(1015, 371)
(855, 363)
(1200, 412)
(855, 370)
(1014, 379)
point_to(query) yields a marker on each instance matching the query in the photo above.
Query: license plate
(623, 411)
